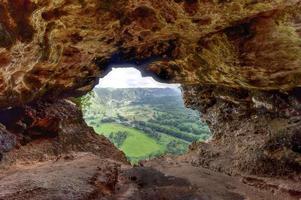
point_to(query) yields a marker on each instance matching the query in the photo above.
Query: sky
(130, 78)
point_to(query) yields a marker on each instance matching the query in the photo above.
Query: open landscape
(144, 122)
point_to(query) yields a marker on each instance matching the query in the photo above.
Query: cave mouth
(141, 116)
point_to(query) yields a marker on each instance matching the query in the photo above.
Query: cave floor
(86, 176)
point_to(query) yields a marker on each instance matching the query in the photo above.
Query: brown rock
(253, 132)
(54, 49)
(239, 63)
(47, 130)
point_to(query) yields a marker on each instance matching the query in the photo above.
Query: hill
(144, 122)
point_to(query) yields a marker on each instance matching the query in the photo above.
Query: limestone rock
(59, 48)
(47, 130)
(84, 176)
(7, 141)
(253, 132)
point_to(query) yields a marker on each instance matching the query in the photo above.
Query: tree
(85, 101)
(118, 138)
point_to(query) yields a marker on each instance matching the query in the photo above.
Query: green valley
(144, 122)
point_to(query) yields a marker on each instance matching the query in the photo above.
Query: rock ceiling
(60, 48)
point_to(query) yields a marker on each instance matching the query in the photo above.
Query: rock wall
(238, 60)
(59, 48)
(46, 130)
(254, 132)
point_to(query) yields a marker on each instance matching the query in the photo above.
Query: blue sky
(130, 78)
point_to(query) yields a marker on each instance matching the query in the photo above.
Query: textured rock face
(59, 48)
(84, 176)
(254, 132)
(238, 60)
(46, 130)
(7, 140)
(74, 176)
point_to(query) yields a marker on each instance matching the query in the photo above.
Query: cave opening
(141, 116)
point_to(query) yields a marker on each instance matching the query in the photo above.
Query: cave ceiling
(61, 48)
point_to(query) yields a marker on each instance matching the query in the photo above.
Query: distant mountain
(138, 96)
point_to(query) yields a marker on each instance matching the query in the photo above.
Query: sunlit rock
(60, 48)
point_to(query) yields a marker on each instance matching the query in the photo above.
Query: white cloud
(130, 78)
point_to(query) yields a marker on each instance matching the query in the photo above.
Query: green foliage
(169, 131)
(176, 147)
(84, 102)
(134, 143)
(118, 138)
(144, 123)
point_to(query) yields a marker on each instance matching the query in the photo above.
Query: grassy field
(137, 143)
(144, 122)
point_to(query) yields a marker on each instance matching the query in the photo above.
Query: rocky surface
(83, 176)
(73, 176)
(253, 132)
(239, 62)
(46, 130)
(50, 153)
(60, 48)
(214, 185)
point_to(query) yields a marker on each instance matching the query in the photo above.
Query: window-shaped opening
(142, 117)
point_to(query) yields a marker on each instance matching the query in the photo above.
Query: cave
(142, 117)
(238, 63)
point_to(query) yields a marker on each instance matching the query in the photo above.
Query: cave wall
(254, 132)
(238, 60)
(48, 130)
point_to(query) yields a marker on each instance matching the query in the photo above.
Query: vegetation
(134, 143)
(144, 123)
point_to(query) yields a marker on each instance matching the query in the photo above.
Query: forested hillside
(144, 122)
